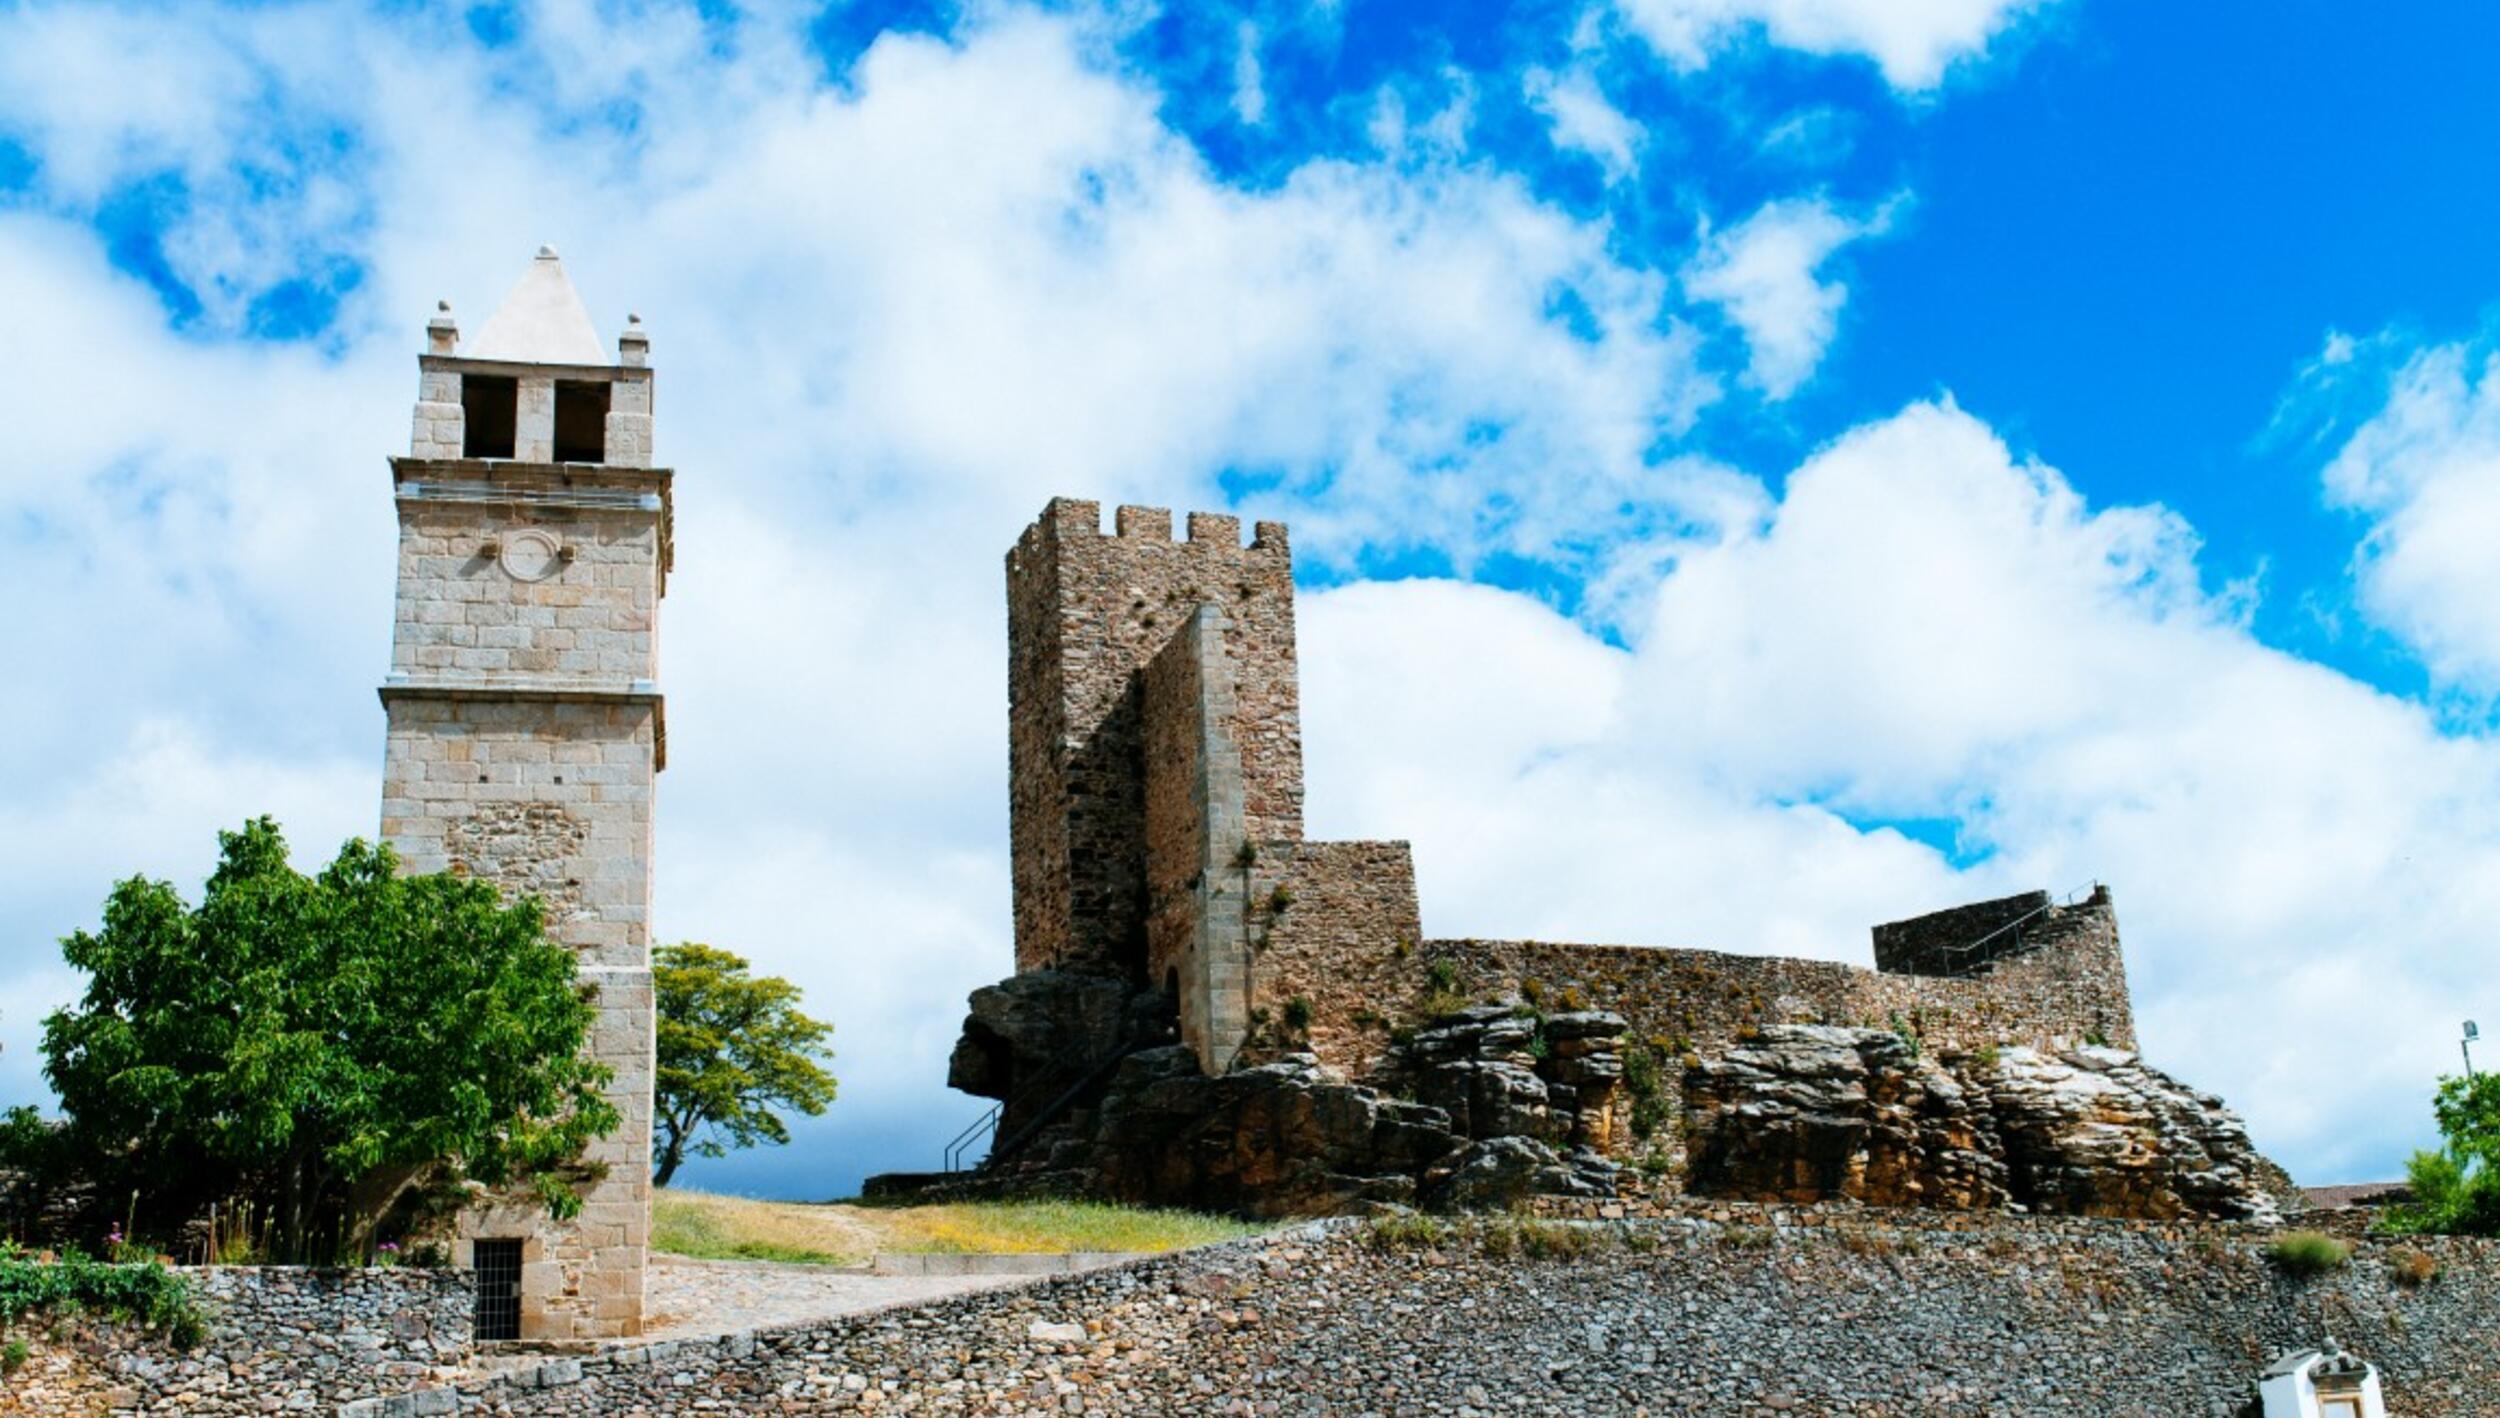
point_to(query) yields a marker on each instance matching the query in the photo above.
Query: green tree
(2456, 1189)
(733, 1047)
(318, 1046)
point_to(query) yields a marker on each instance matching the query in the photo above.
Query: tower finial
(546, 253)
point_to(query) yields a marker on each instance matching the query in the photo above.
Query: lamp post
(2465, 1046)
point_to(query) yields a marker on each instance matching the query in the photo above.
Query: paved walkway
(686, 1298)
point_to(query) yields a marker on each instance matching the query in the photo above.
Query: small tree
(317, 1046)
(2456, 1189)
(732, 1048)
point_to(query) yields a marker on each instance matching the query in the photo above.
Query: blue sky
(1758, 467)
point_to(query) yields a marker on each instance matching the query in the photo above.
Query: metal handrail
(965, 1141)
(1050, 1111)
(2016, 924)
(986, 1125)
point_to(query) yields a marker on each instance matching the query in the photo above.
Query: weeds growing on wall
(2306, 1253)
(146, 1293)
(2411, 1269)
(1494, 1235)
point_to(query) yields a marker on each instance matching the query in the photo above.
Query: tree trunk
(672, 1154)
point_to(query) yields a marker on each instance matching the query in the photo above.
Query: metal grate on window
(498, 1265)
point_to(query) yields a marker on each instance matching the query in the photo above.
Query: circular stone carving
(531, 555)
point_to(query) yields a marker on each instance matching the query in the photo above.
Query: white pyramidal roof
(541, 322)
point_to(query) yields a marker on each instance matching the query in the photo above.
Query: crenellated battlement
(1076, 519)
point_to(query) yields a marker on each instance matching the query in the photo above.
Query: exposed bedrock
(1490, 1105)
(1810, 1112)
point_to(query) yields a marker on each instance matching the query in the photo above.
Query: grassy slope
(735, 1228)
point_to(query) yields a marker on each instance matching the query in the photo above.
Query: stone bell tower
(526, 729)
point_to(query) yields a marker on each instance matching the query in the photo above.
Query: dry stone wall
(278, 1339)
(1701, 1310)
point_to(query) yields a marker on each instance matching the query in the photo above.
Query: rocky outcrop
(2098, 1132)
(1031, 1024)
(1493, 1104)
(1487, 1105)
(1811, 1112)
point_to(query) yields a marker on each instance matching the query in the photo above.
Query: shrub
(13, 1358)
(1298, 1014)
(2411, 1269)
(1746, 1238)
(1444, 976)
(1641, 1078)
(147, 1294)
(2305, 1253)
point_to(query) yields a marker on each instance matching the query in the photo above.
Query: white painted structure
(2321, 1383)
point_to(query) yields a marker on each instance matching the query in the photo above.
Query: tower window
(487, 401)
(581, 421)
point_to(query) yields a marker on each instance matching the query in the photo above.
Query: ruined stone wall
(1724, 1309)
(1704, 1000)
(1365, 983)
(1196, 949)
(1344, 906)
(277, 1337)
(1085, 614)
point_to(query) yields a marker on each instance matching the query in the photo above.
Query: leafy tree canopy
(2456, 1189)
(733, 1047)
(315, 1046)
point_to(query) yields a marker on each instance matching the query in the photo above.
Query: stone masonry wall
(277, 1337)
(488, 594)
(1344, 906)
(1706, 1310)
(543, 795)
(1085, 613)
(1195, 925)
(553, 797)
(1366, 984)
(1704, 1000)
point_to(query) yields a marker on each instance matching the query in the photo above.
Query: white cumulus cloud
(1581, 119)
(1914, 42)
(1928, 630)
(2425, 471)
(1763, 272)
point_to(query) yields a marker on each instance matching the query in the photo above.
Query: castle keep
(1156, 761)
(525, 726)
(1211, 1009)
